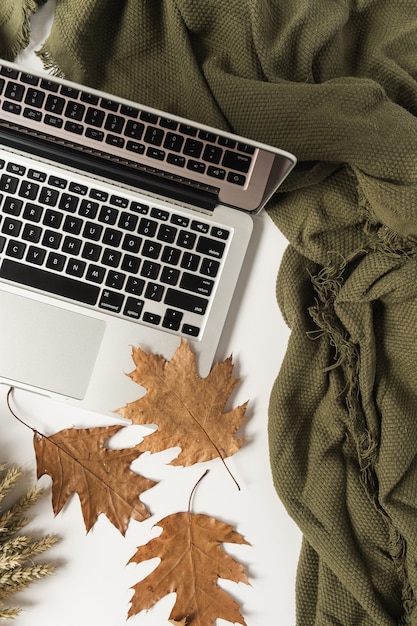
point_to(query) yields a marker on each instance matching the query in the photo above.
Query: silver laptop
(120, 226)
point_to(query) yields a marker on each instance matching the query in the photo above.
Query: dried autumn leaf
(192, 561)
(187, 409)
(78, 462)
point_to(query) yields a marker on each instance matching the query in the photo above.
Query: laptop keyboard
(108, 126)
(144, 261)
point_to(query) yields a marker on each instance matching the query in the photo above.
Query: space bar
(47, 281)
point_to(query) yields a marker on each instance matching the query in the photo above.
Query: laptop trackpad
(47, 347)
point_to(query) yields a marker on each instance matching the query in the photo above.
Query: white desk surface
(92, 583)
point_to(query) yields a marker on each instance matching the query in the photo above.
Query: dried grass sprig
(17, 568)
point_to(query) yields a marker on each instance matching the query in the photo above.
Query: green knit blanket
(334, 82)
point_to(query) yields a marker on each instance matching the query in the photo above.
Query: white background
(92, 583)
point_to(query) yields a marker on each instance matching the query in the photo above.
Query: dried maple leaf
(192, 561)
(187, 409)
(78, 462)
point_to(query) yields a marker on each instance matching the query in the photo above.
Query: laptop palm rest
(47, 347)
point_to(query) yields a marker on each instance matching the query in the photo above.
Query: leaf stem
(19, 419)
(195, 487)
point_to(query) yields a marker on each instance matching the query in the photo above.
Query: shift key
(186, 301)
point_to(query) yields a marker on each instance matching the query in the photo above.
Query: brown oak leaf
(192, 561)
(78, 462)
(188, 409)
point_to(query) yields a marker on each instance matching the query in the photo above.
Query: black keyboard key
(160, 214)
(212, 154)
(91, 251)
(74, 110)
(29, 79)
(12, 107)
(68, 202)
(188, 130)
(114, 123)
(16, 249)
(71, 245)
(197, 284)
(171, 255)
(78, 188)
(209, 267)
(129, 111)
(89, 98)
(167, 123)
(173, 142)
(167, 233)
(186, 239)
(11, 227)
(14, 91)
(186, 301)
(15, 168)
(190, 261)
(128, 221)
(108, 215)
(109, 105)
(220, 233)
(35, 98)
(131, 243)
(196, 166)
(172, 319)
(150, 118)
(95, 134)
(92, 231)
(115, 141)
(32, 114)
(150, 270)
(135, 285)
(200, 227)
(54, 104)
(56, 261)
(216, 172)
(134, 130)
(170, 276)
(12, 206)
(152, 318)
(49, 85)
(111, 301)
(69, 92)
(155, 153)
(48, 196)
(111, 258)
(54, 121)
(32, 212)
(154, 292)
(115, 280)
(95, 274)
(80, 291)
(243, 147)
(73, 127)
(193, 148)
(130, 264)
(191, 331)
(99, 194)
(147, 227)
(35, 255)
(154, 136)
(8, 183)
(236, 179)
(72, 225)
(10, 72)
(112, 237)
(57, 181)
(75, 267)
(51, 239)
(88, 208)
(32, 233)
(94, 117)
(28, 190)
(36, 175)
(52, 219)
(235, 161)
(211, 247)
(151, 249)
(176, 159)
(133, 308)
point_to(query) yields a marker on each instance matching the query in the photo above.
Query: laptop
(120, 226)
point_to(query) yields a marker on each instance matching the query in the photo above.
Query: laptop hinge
(110, 168)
